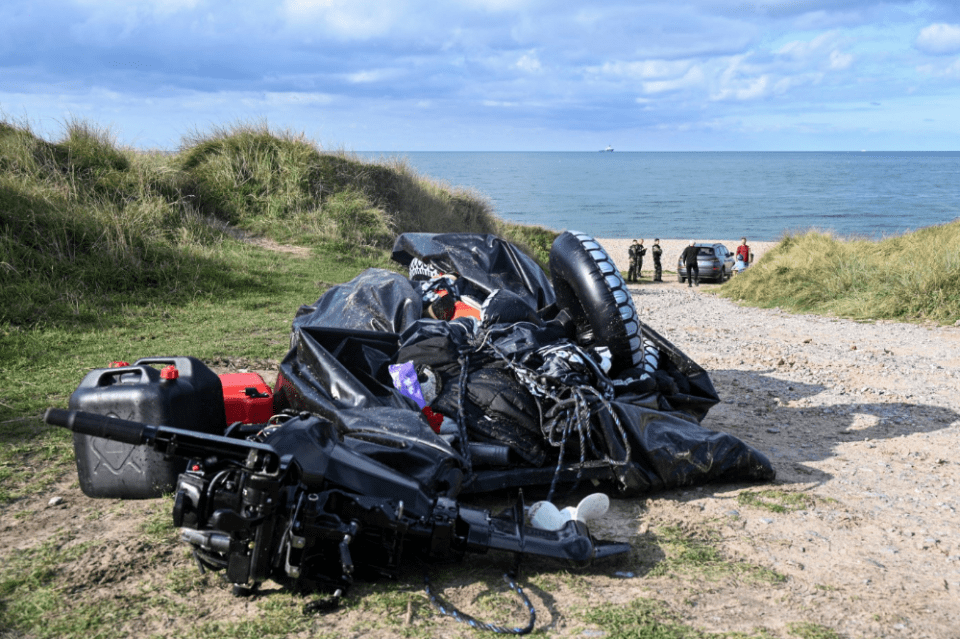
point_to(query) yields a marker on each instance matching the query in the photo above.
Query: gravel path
(861, 417)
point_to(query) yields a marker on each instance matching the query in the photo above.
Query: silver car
(714, 260)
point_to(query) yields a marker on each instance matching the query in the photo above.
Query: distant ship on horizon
(609, 149)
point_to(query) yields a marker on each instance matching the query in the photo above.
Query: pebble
(55, 501)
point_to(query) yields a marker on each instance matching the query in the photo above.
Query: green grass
(777, 501)
(279, 615)
(28, 587)
(913, 277)
(249, 319)
(643, 618)
(806, 630)
(696, 552)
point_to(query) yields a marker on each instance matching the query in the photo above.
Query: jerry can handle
(106, 377)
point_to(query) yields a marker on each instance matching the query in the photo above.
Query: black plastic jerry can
(140, 393)
(206, 385)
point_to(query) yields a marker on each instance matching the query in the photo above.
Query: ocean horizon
(712, 194)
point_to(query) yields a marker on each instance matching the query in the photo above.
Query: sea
(710, 195)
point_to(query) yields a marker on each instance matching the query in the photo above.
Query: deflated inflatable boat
(519, 378)
(476, 372)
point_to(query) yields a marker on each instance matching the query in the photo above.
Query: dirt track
(863, 419)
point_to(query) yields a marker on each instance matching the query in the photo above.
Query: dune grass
(912, 277)
(88, 229)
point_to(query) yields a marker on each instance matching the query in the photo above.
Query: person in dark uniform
(640, 253)
(657, 267)
(637, 251)
(632, 273)
(689, 259)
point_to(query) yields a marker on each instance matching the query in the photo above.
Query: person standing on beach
(636, 260)
(640, 253)
(657, 267)
(689, 259)
(744, 251)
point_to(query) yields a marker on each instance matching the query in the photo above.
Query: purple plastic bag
(405, 380)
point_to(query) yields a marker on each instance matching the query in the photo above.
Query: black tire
(681, 279)
(589, 286)
(723, 274)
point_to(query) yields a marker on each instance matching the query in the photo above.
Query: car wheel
(723, 274)
(681, 279)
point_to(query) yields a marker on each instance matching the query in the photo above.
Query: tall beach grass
(915, 276)
(88, 227)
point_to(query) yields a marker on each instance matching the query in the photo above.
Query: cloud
(644, 69)
(939, 39)
(840, 61)
(347, 19)
(529, 63)
(750, 90)
(695, 77)
(806, 50)
(555, 67)
(369, 76)
(949, 71)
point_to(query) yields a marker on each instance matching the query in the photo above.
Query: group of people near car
(688, 258)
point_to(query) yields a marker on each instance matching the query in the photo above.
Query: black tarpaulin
(375, 300)
(484, 262)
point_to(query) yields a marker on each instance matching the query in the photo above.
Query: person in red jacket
(744, 250)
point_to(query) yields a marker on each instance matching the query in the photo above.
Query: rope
(564, 396)
(571, 404)
(452, 611)
(324, 605)
(461, 409)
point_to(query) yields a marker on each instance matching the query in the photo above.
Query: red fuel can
(246, 398)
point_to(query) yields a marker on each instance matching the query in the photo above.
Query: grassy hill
(89, 230)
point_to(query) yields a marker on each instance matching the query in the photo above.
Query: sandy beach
(617, 249)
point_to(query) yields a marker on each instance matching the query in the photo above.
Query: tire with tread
(590, 287)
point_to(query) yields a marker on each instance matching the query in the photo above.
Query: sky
(492, 75)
